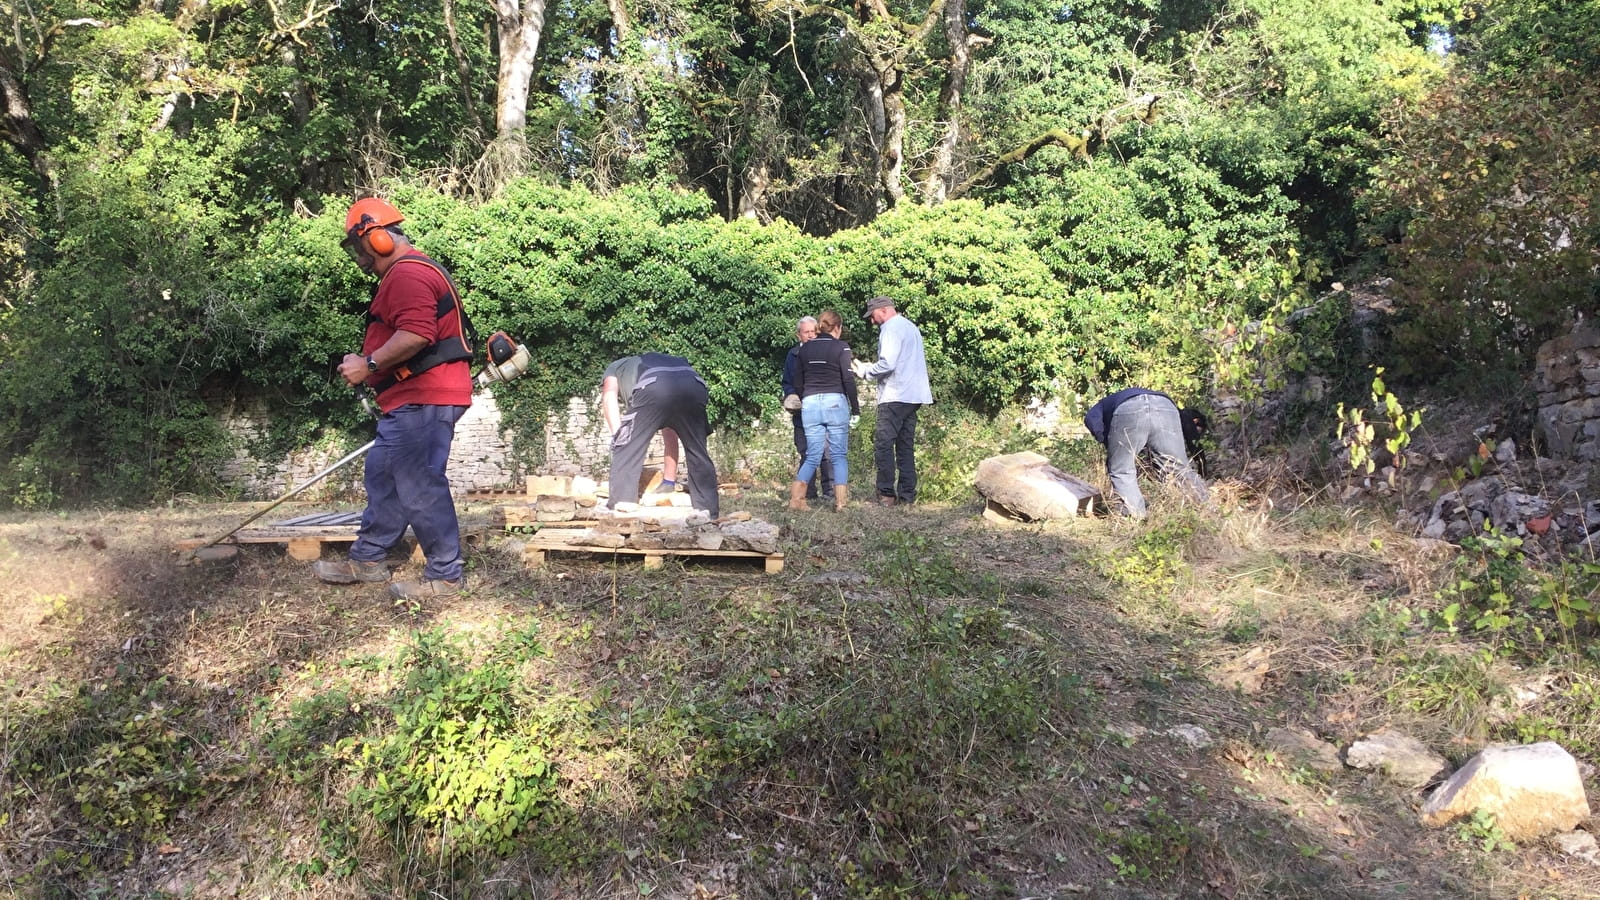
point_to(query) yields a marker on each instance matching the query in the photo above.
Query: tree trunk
(889, 91)
(941, 175)
(17, 125)
(521, 24)
(463, 67)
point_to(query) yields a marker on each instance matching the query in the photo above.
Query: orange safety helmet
(370, 216)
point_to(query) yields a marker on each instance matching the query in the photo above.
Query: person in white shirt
(901, 372)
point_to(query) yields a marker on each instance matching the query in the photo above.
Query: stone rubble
(1579, 845)
(1399, 756)
(1300, 747)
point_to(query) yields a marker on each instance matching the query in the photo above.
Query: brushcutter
(508, 360)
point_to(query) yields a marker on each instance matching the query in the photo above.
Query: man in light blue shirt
(902, 376)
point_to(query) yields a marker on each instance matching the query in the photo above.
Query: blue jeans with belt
(406, 485)
(827, 423)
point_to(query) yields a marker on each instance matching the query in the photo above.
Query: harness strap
(445, 350)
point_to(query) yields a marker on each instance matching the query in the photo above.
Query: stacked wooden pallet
(655, 534)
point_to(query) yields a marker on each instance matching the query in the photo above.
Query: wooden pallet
(537, 552)
(303, 536)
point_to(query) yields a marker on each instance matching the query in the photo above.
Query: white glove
(854, 421)
(859, 368)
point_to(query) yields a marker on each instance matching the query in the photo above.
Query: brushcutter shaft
(352, 456)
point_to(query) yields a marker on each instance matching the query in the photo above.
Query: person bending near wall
(659, 392)
(1133, 420)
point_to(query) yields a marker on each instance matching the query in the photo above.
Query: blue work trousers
(406, 485)
(827, 424)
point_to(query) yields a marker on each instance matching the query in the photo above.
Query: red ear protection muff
(380, 240)
(370, 218)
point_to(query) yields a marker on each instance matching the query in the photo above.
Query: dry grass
(922, 704)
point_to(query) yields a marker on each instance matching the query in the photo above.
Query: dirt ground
(1117, 798)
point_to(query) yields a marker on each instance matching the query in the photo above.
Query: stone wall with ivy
(480, 458)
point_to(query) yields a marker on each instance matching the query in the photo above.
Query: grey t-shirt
(627, 371)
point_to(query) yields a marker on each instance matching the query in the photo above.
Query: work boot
(350, 571)
(797, 495)
(885, 500)
(427, 587)
(841, 497)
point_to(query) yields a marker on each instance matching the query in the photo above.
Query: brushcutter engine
(507, 360)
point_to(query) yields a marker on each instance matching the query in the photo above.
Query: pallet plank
(320, 520)
(537, 552)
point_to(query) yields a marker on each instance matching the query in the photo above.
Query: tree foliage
(1063, 197)
(1491, 185)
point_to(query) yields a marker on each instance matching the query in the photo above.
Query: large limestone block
(548, 508)
(648, 540)
(550, 485)
(1026, 485)
(1532, 790)
(679, 540)
(593, 538)
(754, 534)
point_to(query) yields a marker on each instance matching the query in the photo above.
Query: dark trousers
(406, 485)
(824, 474)
(894, 445)
(677, 401)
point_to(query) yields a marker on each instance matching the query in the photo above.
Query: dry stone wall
(1567, 379)
(479, 457)
(575, 443)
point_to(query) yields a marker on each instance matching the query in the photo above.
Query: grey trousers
(678, 401)
(1147, 421)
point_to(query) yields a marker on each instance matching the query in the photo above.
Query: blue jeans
(406, 485)
(825, 471)
(1147, 421)
(827, 422)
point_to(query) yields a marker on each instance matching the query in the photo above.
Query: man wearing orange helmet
(416, 358)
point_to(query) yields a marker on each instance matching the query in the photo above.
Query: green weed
(1485, 832)
(1460, 687)
(1157, 559)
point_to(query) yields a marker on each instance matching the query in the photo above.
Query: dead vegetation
(922, 704)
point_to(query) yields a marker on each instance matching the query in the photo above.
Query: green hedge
(1011, 305)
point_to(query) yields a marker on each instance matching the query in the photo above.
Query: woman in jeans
(828, 406)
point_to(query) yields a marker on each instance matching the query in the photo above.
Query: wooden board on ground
(539, 547)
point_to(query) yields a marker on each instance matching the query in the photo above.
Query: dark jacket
(1098, 419)
(824, 368)
(790, 363)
